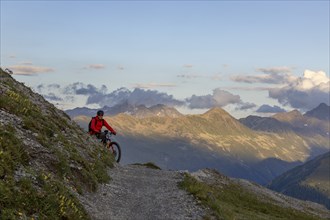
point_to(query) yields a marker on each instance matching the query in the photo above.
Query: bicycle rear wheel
(114, 146)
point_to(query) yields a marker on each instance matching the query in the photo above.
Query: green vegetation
(38, 176)
(150, 165)
(30, 195)
(16, 103)
(231, 201)
(51, 200)
(12, 153)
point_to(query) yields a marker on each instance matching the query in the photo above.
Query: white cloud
(95, 66)
(120, 67)
(270, 78)
(28, 63)
(313, 79)
(79, 88)
(273, 75)
(29, 69)
(136, 97)
(195, 76)
(216, 77)
(101, 96)
(188, 66)
(305, 92)
(275, 70)
(219, 98)
(52, 97)
(189, 76)
(152, 85)
(248, 88)
(269, 109)
(245, 106)
(152, 97)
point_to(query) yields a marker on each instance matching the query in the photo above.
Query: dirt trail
(140, 193)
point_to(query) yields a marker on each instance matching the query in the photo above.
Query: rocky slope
(44, 157)
(140, 193)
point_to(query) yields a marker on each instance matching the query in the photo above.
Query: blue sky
(194, 55)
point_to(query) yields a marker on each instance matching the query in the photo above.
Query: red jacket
(97, 125)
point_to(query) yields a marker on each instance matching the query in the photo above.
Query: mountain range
(313, 126)
(254, 148)
(139, 111)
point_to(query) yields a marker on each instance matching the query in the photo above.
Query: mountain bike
(112, 146)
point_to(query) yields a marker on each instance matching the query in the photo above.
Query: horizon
(249, 58)
(204, 111)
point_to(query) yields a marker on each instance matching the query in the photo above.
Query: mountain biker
(96, 126)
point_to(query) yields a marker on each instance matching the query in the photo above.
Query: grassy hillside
(230, 199)
(45, 158)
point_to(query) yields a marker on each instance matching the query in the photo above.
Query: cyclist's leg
(102, 137)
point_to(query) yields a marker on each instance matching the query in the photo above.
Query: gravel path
(140, 193)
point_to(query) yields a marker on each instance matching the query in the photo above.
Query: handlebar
(108, 132)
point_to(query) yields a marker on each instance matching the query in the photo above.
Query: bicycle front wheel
(116, 151)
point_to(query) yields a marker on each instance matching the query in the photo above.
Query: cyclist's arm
(109, 127)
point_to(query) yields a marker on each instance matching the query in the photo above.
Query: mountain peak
(223, 122)
(295, 113)
(216, 111)
(321, 112)
(162, 110)
(323, 105)
(288, 116)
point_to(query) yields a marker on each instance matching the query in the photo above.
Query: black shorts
(101, 136)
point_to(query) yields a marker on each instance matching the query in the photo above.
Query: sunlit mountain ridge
(214, 139)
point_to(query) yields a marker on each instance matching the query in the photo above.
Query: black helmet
(100, 113)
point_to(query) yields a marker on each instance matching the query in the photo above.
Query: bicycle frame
(112, 145)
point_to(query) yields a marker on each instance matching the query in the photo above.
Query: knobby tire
(116, 147)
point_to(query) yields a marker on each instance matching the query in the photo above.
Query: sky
(248, 57)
